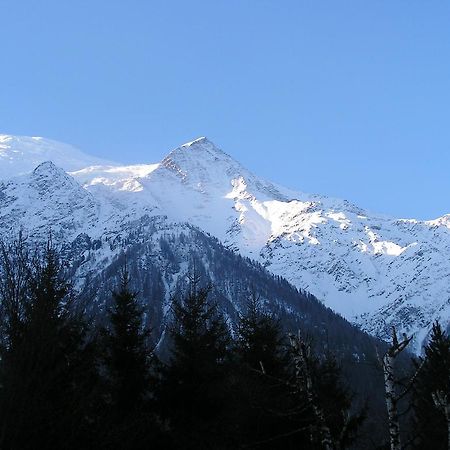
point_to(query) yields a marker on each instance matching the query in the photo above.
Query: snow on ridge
(115, 172)
(199, 149)
(22, 154)
(440, 221)
(199, 140)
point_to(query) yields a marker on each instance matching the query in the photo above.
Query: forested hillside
(224, 356)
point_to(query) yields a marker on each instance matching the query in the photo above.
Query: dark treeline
(69, 383)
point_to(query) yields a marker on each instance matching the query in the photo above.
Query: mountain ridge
(375, 270)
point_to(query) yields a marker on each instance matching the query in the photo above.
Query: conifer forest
(74, 379)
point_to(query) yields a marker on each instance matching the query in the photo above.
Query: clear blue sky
(345, 98)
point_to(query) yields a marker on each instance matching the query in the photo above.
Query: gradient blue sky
(345, 98)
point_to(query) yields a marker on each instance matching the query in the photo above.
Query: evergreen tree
(432, 386)
(128, 354)
(259, 341)
(127, 368)
(262, 396)
(40, 385)
(194, 396)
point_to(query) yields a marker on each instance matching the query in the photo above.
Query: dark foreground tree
(128, 354)
(194, 395)
(43, 396)
(259, 341)
(432, 394)
(264, 409)
(127, 364)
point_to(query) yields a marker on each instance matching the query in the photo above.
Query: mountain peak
(201, 147)
(49, 175)
(47, 168)
(199, 141)
(200, 160)
(204, 167)
(200, 151)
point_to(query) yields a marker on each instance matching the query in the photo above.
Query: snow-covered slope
(21, 154)
(47, 201)
(375, 270)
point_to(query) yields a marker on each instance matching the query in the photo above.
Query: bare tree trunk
(447, 416)
(441, 401)
(390, 383)
(391, 401)
(302, 367)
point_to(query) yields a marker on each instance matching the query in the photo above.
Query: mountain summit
(200, 158)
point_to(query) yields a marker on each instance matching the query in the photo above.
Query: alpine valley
(200, 206)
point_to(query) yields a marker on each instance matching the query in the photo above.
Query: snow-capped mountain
(375, 270)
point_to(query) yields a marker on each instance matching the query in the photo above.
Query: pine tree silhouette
(431, 420)
(194, 392)
(39, 404)
(259, 342)
(263, 404)
(128, 362)
(128, 352)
